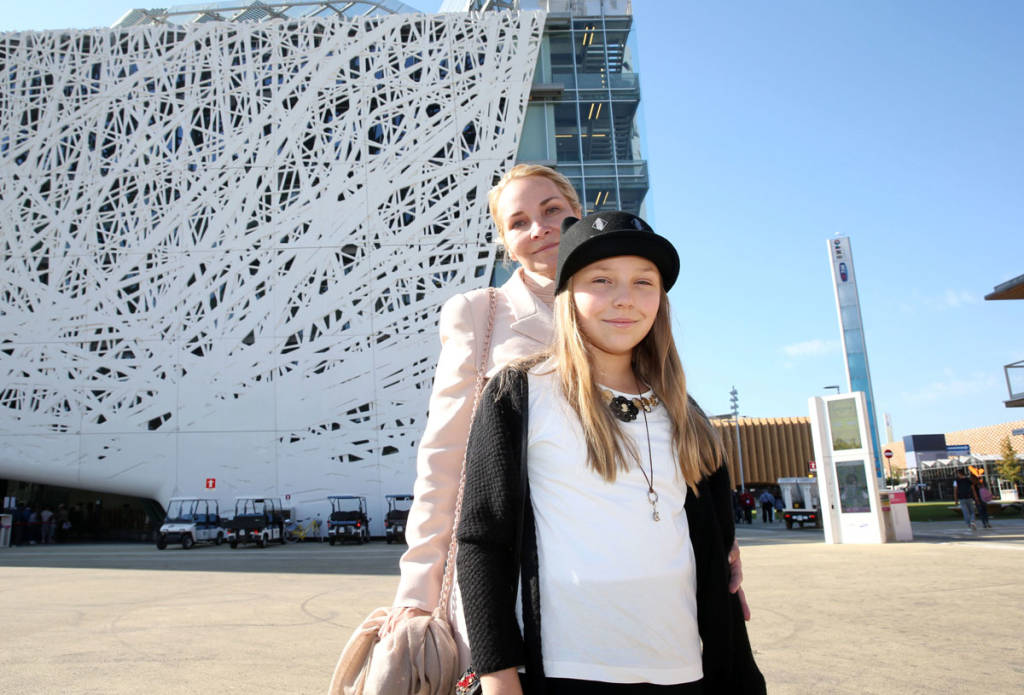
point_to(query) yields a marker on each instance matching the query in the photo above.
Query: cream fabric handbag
(419, 657)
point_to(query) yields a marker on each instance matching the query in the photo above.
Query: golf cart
(394, 520)
(800, 498)
(258, 520)
(348, 520)
(190, 520)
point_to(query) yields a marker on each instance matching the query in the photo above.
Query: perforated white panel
(225, 245)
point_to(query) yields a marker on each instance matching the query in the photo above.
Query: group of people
(586, 460)
(745, 501)
(972, 494)
(34, 524)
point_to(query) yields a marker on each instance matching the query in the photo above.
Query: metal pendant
(652, 497)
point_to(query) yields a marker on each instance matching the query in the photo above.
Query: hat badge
(598, 224)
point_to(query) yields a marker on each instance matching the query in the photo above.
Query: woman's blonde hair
(522, 171)
(699, 449)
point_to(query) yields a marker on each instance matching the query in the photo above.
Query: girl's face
(530, 214)
(617, 300)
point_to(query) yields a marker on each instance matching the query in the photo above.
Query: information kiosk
(847, 484)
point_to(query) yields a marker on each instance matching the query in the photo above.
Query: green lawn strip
(940, 511)
(932, 511)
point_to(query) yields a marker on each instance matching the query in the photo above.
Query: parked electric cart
(191, 520)
(398, 513)
(258, 520)
(800, 496)
(348, 520)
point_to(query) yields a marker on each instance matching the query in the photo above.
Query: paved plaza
(940, 615)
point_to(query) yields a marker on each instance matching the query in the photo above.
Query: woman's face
(530, 213)
(617, 300)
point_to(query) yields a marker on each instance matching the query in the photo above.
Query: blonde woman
(527, 205)
(623, 523)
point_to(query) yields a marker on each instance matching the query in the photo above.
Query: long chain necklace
(652, 495)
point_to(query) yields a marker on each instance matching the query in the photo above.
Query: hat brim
(626, 242)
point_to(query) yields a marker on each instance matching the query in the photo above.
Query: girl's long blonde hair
(699, 449)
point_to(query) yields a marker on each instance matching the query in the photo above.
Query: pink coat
(523, 325)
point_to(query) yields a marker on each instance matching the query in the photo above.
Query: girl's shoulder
(514, 380)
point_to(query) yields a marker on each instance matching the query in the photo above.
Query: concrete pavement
(941, 614)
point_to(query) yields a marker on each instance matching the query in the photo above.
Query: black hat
(613, 233)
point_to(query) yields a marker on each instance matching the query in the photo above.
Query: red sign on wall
(211, 483)
(812, 466)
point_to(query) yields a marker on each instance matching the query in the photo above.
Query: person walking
(747, 503)
(767, 500)
(964, 495)
(622, 523)
(982, 496)
(527, 206)
(47, 524)
(62, 523)
(34, 527)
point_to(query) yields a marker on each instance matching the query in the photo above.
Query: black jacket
(487, 536)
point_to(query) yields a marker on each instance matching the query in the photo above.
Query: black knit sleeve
(720, 489)
(486, 532)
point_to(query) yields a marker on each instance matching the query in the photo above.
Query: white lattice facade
(225, 245)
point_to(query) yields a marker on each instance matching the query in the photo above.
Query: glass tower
(583, 113)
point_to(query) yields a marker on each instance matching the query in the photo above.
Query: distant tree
(896, 477)
(1008, 466)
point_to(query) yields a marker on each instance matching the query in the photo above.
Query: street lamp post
(735, 400)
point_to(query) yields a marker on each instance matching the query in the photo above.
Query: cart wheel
(161, 542)
(186, 542)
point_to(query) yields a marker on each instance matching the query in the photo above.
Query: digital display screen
(853, 487)
(843, 424)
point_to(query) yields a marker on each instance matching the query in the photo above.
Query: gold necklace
(626, 409)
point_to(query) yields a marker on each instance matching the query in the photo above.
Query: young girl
(624, 521)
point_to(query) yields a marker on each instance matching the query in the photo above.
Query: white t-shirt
(617, 589)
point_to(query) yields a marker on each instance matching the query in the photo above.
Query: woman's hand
(397, 616)
(501, 683)
(736, 578)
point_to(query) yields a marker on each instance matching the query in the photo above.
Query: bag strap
(524, 485)
(481, 378)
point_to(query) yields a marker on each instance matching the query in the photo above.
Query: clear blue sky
(772, 126)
